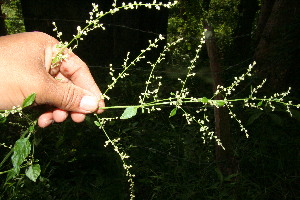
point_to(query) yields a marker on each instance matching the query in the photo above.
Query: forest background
(168, 156)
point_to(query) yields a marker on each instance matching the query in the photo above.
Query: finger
(45, 119)
(101, 105)
(68, 97)
(77, 117)
(59, 115)
(76, 70)
(61, 78)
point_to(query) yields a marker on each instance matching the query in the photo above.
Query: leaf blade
(29, 100)
(173, 112)
(220, 103)
(203, 100)
(33, 172)
(129, 112)
(22, 149)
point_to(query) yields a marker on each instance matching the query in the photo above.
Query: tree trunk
(277, 53)
(265, 11)
(224, 158)
(243, 33)
(3, 30)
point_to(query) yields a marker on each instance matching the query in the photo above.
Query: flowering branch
(94, 22)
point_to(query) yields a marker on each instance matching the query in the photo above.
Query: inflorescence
(149, 100)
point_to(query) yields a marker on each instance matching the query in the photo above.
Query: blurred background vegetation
(168, 156)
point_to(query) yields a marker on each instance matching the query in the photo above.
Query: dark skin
(25, 61)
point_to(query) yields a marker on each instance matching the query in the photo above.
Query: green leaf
(204, 100)
(29, 100)
(173, 112)
(11, 174)
(260, 103)
(33, 172)
(220, 103)
(189, 46)
(254, 117)
(129, 112)
(97, 123)
(2, 119)
(220, 175)
(31, 128)
(230, 177)
(21, 151)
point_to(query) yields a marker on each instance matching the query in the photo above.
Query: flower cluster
(5, 145)
(252, 101)
(94, 22)
(136, 5)
(237, 80)
(192, 64)
(126, 65)
(15, 109)
(184, 90)
(204, 129)
(153, 78)
(123, 156)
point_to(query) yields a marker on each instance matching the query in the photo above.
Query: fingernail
(89, 103)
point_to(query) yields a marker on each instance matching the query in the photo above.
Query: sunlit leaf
(129, 112)
(29, 100)
(97, 123)
(204, 100)
(33, 172)
(21, 151)
(173, 112)
(220, 103)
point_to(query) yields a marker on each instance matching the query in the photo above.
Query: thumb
(69, 97)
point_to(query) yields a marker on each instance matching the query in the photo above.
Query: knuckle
(70, 100)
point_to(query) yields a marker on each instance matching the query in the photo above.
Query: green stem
(124, 70)
(185, 100)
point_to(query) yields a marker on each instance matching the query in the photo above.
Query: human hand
(25, 61)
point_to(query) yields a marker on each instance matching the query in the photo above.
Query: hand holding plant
(25, 68)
